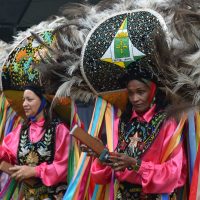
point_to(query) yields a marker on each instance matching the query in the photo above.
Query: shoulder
(62, 125)
(170, 121)
(16, 130)
(166, 121)
(169, 126)
(62, 128)
(14, 134)
(59, 123)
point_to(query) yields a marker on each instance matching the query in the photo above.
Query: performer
(144, 132)
(38, 148)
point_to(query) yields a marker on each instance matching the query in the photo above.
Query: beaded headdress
(122, 42)
(18, 60)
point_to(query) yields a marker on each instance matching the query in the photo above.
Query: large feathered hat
(119, 43)
(19, 59)
(97, 46)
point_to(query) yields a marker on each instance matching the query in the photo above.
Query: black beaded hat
(119, 45)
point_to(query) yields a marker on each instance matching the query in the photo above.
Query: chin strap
(42, 105)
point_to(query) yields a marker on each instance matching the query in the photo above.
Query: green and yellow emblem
(121, 51)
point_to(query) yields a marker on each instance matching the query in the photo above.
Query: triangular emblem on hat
(121, 51)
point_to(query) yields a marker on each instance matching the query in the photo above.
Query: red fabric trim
(153, 91)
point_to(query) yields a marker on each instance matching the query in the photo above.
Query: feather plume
(176, 58)
(62, 64)
(4, 50)
(178, 65)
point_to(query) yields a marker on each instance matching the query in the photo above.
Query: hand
(20, 173)
(121, 161)
(87, 150)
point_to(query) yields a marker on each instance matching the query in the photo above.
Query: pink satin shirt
(154, 177)
(50, 174)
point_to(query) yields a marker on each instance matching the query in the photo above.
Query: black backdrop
(17, 15)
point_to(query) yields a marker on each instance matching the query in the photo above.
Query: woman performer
(39, 149)
(144, 131)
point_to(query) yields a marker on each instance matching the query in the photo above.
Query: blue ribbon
(95, 192)
(165, 197)
(42, 105)
(192, 143)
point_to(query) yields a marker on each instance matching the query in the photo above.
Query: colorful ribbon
(175, 140)
(76, 184)
(8, 121)
(173, 144)
(108, 191)
(194, 155)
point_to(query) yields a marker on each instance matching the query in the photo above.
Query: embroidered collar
(147, 116)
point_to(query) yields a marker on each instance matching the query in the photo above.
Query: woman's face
(139, 94)
(31, 103)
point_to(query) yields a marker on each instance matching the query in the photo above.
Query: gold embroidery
(32, 159)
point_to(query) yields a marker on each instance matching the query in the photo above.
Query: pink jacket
(153, 176)
(50, 174)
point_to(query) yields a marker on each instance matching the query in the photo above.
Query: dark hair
(161, 102)
(39, 91)
(137, 71)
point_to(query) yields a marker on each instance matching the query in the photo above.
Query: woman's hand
(86, 149)
(121, 161)
(89, 151)
(20, 173)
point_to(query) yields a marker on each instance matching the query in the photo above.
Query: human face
(139, 94)
(31, 103)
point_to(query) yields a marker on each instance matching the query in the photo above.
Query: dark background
(17, 15)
